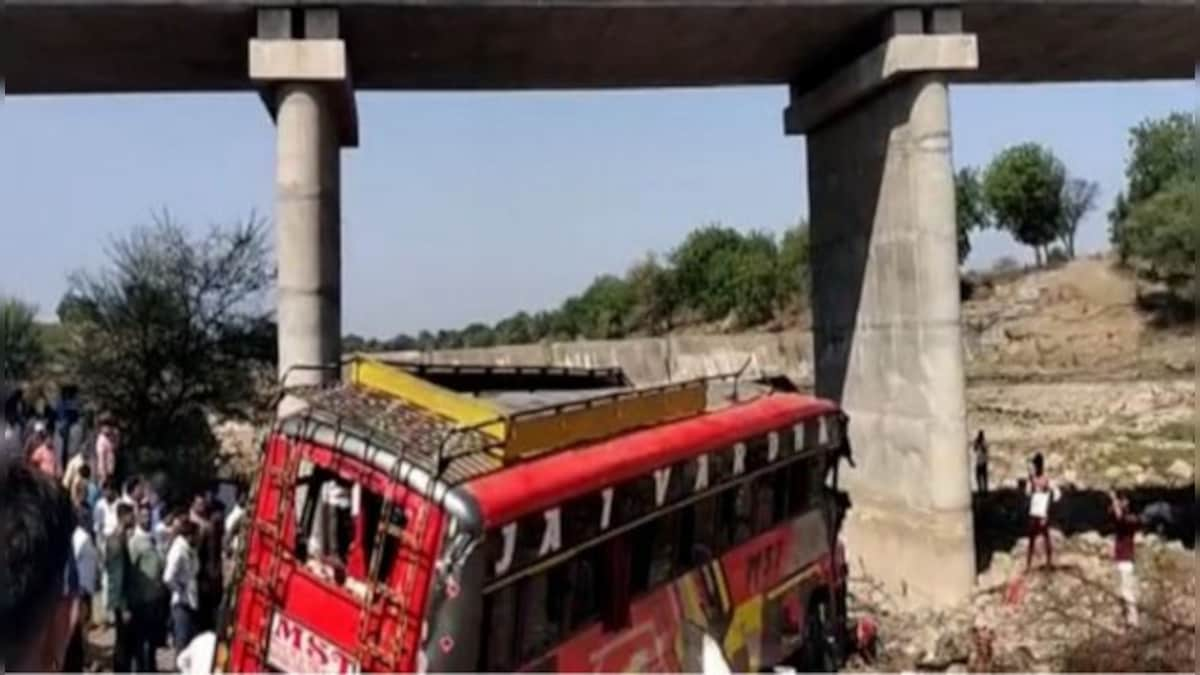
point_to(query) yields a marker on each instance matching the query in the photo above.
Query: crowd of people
(152, 573)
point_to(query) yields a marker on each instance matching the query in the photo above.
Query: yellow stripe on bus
(399, 384)
(719, 574)
(791, 582)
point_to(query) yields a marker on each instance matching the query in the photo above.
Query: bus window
(338, 527)
(584, 579)
(540, 616)
(371, 505)
(763, 494)
(756, 453)
(325, 528)
(801, 481)
(664, 555)
(705, 543)
(780, 491)
(735, 517)
(641, 547)
(499, 630)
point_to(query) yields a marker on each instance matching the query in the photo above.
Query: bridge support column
(885, 297)
(306, 86)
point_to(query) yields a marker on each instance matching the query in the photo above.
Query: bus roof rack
(477, 379)
(439, 428)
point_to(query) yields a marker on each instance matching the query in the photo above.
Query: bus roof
(539, 483)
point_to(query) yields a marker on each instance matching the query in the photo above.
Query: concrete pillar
(308, 228)
(305, 82)
(885, 295)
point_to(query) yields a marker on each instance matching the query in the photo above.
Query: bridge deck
(156, 45)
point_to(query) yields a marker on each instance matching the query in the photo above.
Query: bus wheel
(818, 649)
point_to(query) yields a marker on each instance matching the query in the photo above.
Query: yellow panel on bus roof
(394, 382)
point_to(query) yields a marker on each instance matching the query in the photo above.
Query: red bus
(388, 534)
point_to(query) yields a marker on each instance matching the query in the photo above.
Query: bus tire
(818, 651)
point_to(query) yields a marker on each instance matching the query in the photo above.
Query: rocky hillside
(1084, 320)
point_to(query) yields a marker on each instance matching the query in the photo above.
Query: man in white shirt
(104, 524)
(233, 526)
(87, 565)
(180, 577)
(197, 659)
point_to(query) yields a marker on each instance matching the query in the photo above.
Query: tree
(478, 335)
(1023, 189)
(696, 272)
(449, 339)
(173, 329)
(515, 330)
(605, 308)
(655, 295)
(1161, 232)
(1078, 197)
(753, 288)
(400, 342)
(971, 208)
(1161, 150)
(1116, 231)
(21, 349)
(795, 274)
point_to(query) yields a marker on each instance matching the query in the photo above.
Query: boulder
(1181, 469)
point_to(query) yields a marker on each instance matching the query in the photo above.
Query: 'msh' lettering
(316, 652)
(286, 630)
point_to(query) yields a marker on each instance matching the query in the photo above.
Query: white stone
(1181, 470)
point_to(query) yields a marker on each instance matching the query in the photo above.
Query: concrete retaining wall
(650, 360)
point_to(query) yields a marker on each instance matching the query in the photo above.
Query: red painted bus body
(593, 558)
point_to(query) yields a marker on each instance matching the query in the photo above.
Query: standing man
(980, 450)
(1042, 491)
(87, 565)
(38, 607)
(233, 524)
(120, 587)
(211, 577)
(149, 592)
(180, 579)
(1127, 523)
(106, 449)
(104, 525)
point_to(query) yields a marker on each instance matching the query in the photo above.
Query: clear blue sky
(462, 207)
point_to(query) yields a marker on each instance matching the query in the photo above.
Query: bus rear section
(337, 566)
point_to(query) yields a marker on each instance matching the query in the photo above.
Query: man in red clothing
(1123, 554)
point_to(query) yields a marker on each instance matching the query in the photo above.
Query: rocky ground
(1069, 363)
(1065, 618)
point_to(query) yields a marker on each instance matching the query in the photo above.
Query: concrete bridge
(868, 83)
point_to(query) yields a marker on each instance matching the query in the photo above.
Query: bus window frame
(319, 457)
